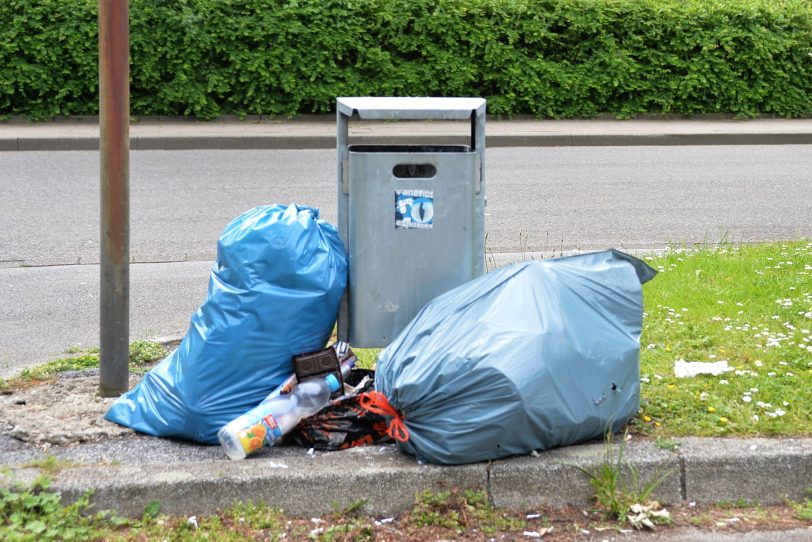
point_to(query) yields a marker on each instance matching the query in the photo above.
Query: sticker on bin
(414, 209)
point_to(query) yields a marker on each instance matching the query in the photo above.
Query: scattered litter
(346, 422)
(584, 531)
(267, 423)
(275, 465)
(535, 453)
(317, 531)
(316, 520)
(539, 533)
(533, 516)
(311, 452)
(193, 522)
(646, 516)
(690, 369)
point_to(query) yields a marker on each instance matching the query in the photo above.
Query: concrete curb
(318, 141)
(191, 479)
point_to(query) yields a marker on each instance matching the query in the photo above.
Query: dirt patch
(468, 523)
(66, 410)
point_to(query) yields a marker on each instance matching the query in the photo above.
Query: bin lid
(391, 108)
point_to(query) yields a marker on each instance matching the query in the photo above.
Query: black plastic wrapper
(345, 423)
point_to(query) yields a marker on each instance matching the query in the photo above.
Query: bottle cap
(333, 381)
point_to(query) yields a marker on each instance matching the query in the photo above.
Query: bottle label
(253, 437)
(274, 433)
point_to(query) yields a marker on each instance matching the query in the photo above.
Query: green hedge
(549, 58)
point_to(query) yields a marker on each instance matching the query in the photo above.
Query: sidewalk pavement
(319, 132)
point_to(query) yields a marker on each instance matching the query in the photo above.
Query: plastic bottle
(268, 421)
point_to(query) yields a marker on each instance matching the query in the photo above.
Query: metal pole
(342, 144)
(114, 143)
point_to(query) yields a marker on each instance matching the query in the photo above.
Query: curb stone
(319, 132)
(766, 471)
(190, 479)
(554, 477)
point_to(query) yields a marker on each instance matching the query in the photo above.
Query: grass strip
(750, 305)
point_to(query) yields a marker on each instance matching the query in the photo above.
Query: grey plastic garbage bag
(273, 293)
(529, 357)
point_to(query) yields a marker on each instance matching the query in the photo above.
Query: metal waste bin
(410, 215)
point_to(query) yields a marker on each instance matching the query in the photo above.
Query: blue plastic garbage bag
(529, 357)
(274, 292)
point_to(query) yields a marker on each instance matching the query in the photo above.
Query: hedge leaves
(548, 58)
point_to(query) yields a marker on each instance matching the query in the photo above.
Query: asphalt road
(539, 200)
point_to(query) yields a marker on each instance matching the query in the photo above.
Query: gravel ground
(64, 411)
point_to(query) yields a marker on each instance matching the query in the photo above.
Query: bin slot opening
(409, 148)
(414, 171)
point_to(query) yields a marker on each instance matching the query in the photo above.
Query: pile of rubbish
(531, 356)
